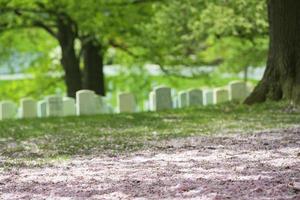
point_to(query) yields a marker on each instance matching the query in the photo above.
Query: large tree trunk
(282, 76)
(69, 60)
(93, 78)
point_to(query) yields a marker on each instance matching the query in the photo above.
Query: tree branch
(45, 27)
(123, 48)
(135, 2)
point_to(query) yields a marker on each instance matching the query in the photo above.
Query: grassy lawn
(42, 140)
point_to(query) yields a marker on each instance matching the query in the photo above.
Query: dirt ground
(262, 165)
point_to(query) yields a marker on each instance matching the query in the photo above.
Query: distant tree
(52, 19)
(96, 24)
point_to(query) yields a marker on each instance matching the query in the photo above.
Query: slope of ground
(257, 166)
(223, 152)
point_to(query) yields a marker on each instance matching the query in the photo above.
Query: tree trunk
(281, 79)
(93, 78)
(69, 60)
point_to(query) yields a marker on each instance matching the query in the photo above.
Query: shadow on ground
(263, 165)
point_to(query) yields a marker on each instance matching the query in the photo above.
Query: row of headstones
(161, 97)
(88, 103)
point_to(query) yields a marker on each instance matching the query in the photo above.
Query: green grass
(42, 140)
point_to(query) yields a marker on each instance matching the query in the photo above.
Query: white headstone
(100, 105)
(175, 102)
(109, 109)
(152, 101)
(85, 102)
(195, 97)
(163, 99)
(146, 106)
(182, 99)
(28, 108)
(19, 112)
(250, 88)
(209, 97)
(69, 108)
(106, 108)
(126, 103)
(42, 108)
(238, 91)
(221, 95)
(174, 97)
(8, 110)
(54, 106)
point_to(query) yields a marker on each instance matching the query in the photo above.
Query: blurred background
(60, 46)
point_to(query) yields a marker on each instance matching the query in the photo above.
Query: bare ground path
(263, 165)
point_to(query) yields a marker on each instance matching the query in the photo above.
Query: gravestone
(85, 102)
(18, 115)
(182, 99)
(42, 108)
(54, 106)
(8, 110)
(221, 95)
(238, 91)
(195, 97)
(126, 103)
(174, 97)
(28, 108)
(175, 102)
(109, 109)
(209, 97)
(146, 106)
(100, 105)
(152, 101)
(69, 108)
(163, 99)
(250, 89)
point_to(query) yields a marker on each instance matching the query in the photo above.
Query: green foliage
(241, 18)
(24, 47)
(238, 53)
(189, 33)
(28, 88)
(238, 31)
(37, 59)
(169, 38)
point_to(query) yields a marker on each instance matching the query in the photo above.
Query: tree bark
(93, 78)
(69, 60)
(281, 79)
